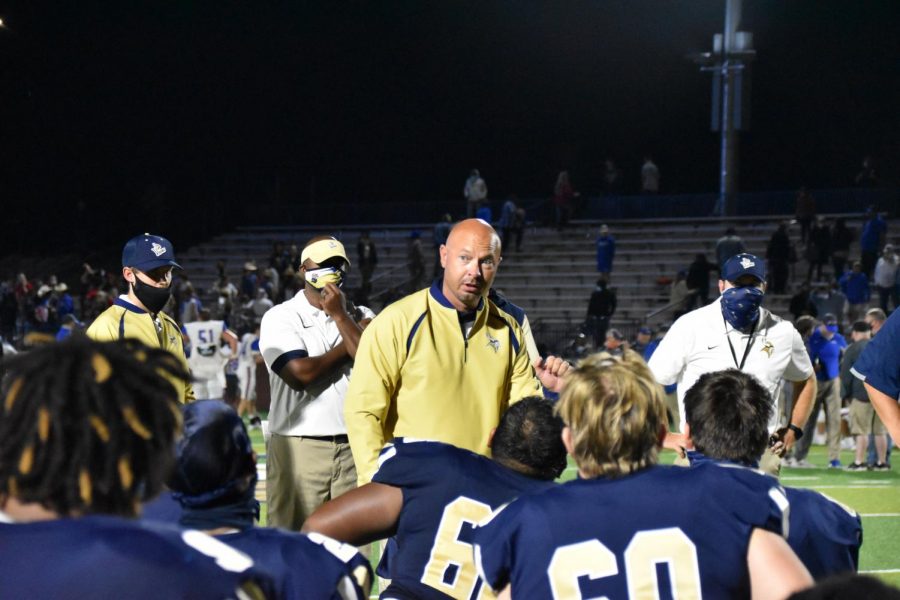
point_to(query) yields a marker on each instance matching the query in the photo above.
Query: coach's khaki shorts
(864, 420)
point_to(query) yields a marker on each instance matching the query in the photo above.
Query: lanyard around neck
(740, 367)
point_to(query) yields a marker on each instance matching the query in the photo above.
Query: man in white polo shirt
(734, 332)
(308, 344)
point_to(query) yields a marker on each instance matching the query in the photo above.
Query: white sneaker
(803, 464)
(789, 462)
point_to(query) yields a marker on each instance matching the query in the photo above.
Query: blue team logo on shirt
(493, 342)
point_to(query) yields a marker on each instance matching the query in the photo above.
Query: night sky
(118, 105)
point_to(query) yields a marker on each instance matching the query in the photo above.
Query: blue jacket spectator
(606, 250)
(855, 285)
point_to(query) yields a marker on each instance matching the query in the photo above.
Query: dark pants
(597, 327)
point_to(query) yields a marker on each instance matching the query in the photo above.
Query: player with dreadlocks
(87, 431)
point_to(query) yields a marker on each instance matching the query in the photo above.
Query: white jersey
(205, 338)
(248, 351)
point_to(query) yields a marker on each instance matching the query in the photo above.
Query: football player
(430, 495)
(628, 527)
(214, 481)
(86, 433)
(727, 414)
(211, 344)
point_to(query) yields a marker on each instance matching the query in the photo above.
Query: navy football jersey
(303, 566)
(825, 534)
(306, 566)
(110, 557)
(446, 492)
(661, 529)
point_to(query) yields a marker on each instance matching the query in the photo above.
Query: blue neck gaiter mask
(740, 306)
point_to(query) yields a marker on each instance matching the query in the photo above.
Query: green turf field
(875, 496)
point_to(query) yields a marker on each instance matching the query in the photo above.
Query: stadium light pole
(732, 51)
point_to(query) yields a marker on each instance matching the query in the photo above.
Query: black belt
(335, 439)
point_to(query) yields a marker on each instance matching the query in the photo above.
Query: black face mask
(153, 298)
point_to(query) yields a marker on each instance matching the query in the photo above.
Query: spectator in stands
(680, 297)
(864, 421)
(367, 259)
(828, 298)
(512, 223)
(855, 286)
(249, 281)
(279, 259)
(727, 246)
(612, 178)
(778, 253)
(475, 192)
(189, 309)
(69, 324)
(563, 199)
(871, 240)
(601, 308)
(226, 294)
(825, 346)
(439, 238)
(818, 248)
(885, 278)
(642, 340)
(726, 414)
(802, 304)
(649, 176)
(841, 238)
(606, 252)
(698, 279)
(866, 177)
(615, 343)
(259, 305)
(875, 317)
(415, 261)
(805, 211)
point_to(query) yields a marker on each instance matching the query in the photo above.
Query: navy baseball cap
(743, 264)
(147, 252)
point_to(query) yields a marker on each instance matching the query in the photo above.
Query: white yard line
(879, 514)
(847, 487)
(882, 571)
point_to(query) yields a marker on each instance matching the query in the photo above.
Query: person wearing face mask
(147, 263)
(735, 332)
(826, 345)
(309, 343)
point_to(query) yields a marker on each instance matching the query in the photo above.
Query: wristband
(798, 432)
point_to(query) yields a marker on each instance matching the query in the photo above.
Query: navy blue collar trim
(697, 458)
(437, 293)
(129, 306)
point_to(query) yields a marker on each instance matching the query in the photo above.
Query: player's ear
(567, 441)
(491, 437)
(687, 434)
(443, 256)
(128, 274)
(721, 286)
